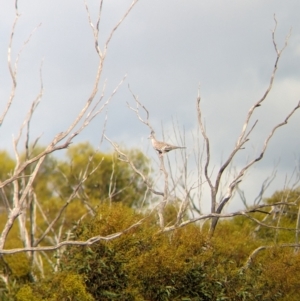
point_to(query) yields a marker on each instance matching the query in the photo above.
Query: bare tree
(177, 183)
(23, 203)
(241, 141)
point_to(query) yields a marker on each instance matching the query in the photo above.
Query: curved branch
(87, 242)
(261, 248)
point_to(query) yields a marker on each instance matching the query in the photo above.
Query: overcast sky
(167, 49)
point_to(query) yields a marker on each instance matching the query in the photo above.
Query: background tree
(113, 181)
(110, 181)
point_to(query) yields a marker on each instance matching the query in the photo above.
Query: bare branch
(238, 179)
(259, 102)
(261, 248)
(163, 202)
(243, 138)
(207, 146)
(95, 28)
(88, 242)
(13, 70)
(243, 170)
(134, 2)
(71, 197)
(137, 112)
(228, 215)
(123, 157)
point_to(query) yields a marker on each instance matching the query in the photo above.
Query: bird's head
(151, 135)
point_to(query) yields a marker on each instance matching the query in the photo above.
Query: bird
(160, 146)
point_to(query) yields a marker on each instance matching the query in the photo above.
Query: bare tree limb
(137, 111)
(123, 157)
(228, 215)
(261, 248)
(88, 242)
(71, 197)
(242, 139)
(13, 70)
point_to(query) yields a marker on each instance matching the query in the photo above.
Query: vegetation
(146, 264)
(109, 180)
(56, 180)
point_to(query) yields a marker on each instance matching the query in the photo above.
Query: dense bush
(144, 264)
(62, 286)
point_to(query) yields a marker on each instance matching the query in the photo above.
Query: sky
(167, 49)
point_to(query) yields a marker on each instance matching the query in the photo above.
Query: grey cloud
(167, 48)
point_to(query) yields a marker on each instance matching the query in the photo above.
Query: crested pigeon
(160, 146)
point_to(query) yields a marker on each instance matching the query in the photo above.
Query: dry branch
(24, 199)
(242, 139)
(88, 242)
(123, 157)
(232, 214)
(261, 248)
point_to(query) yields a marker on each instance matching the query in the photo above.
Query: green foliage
(63, 287)
(26, 294)
(284, 217)
(108, 181)
(143, 263)
(16, 265)
(7, 165)
(112, 181)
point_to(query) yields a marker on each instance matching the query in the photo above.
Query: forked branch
(242, 139)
